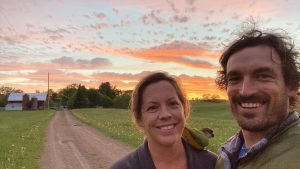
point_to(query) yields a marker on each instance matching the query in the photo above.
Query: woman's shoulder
(199, 152)
(203, 154)
(200, 158)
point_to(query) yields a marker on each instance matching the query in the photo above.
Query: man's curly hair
(283, 45)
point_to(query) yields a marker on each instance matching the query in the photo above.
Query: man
(261, 76)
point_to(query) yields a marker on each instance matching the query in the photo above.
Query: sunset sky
(120, 41)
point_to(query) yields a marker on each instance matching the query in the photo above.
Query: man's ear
(292, 91)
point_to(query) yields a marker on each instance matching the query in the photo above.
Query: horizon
(122, 41)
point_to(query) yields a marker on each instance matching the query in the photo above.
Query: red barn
(20, 101)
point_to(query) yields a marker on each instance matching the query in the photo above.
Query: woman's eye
(151, 108)
(174, 103)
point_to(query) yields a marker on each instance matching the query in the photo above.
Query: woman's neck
(168, 156)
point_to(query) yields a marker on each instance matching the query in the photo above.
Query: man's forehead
(256, 55)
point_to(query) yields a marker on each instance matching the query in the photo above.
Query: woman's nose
(164, 113)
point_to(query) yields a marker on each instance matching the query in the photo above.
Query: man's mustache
(256, 97)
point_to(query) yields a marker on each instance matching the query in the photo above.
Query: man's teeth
(167, 127)
(250, 105)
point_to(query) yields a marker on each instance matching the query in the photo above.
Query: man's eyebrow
(264, 69)
(232, 73)
(259, 70)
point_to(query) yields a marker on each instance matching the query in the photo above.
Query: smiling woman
(160, 109)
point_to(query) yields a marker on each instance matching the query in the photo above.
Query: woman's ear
(140, 123)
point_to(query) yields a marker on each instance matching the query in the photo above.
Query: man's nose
(247, 87)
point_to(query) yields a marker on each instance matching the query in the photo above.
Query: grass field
(21, 138)
(116, 123)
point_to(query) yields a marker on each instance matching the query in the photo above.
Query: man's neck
(252, 138)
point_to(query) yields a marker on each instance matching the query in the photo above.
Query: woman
(160, 109)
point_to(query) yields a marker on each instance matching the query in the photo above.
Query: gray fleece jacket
(141, 158)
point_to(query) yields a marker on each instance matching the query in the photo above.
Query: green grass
(216, 116)
(21, 138)
(117, 124)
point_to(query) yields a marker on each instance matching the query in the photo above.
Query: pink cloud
(56, 31)
(180, 19)
(172, 5)
(99, 26)
(153, 18)
(100, 15)
(14, 39)
(80, 63)
(59, 63)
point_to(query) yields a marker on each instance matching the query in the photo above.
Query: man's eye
(264, 76)
(233, 79)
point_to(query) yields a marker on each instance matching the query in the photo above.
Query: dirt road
(70, 144)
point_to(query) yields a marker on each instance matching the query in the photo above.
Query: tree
(80, 98)
(54, 98)
(215, 97)
(7, 90)
(210, 97)
(106, 101)
(206, 96)
(94, 97)
(4, 93)
(67, 93)
(108, 90)
(122, 101)
(3, 100)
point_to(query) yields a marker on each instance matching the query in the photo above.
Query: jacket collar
(230, 149)
(145, 159)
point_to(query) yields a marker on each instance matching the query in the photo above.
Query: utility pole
(48, 92)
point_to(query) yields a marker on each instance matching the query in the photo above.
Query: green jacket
(279, 150)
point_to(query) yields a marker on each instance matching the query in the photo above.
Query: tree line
(78, 96)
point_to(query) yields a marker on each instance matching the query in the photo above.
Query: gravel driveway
(69, 144)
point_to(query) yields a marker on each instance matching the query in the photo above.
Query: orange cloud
(195, 86)
(177, 52)
(30, 82)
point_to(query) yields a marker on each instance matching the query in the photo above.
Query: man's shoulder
(292, 135)
(293, 130)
